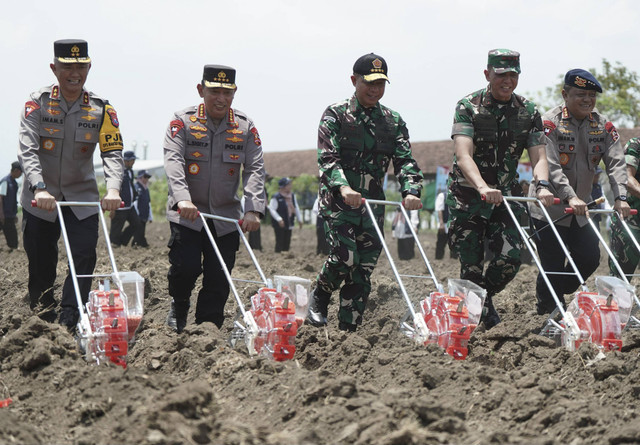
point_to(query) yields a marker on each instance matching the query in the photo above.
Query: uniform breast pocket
(233, 156)
(521, 127)
(51, 140)
(385, 144)
(197, 154)
(195, 163)
(596, 149)
(567, 156)
(50, 146)
(352, 137)
(485, 128)
(85, 142)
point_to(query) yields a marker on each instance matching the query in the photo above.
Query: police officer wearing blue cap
(578, 139)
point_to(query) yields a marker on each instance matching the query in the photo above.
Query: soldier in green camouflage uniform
(623, 248)
(491, 129)
(357, 140)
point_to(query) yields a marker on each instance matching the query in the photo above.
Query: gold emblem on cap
(377, 64)
(580, 81)
(75, 51)
(222, 74)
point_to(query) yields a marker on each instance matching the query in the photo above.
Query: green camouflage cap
(504, 60)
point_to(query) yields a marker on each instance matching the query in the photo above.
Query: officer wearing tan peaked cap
(59, 129)
(208, 149)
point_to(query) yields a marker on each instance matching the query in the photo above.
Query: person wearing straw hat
(59, 130)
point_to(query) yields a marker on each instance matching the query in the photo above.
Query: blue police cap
(582, 79)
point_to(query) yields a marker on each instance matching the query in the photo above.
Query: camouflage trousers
(354, 252)
(467, 234)
(623, 248)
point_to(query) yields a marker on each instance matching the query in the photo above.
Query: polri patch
(176, 126)
(548, 126)
(611, 129)
(30, 107)
(256, 136)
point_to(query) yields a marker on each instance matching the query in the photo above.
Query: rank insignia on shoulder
(30, 107)
(176, 125)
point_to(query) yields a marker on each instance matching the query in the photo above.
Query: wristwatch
(621, 198)
(543, 183)
(38, 186)
(411, 191)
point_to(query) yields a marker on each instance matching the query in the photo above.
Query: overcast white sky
(293, 58)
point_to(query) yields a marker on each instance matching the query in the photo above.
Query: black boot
(69, 318)
(319, 308)
(490, 316)
(348, 327)
(177, 318)
(549, 305)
